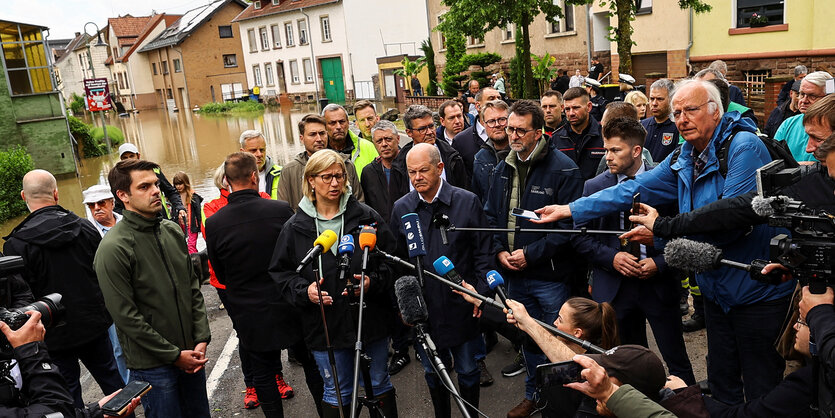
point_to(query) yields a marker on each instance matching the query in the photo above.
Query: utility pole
(100, 42)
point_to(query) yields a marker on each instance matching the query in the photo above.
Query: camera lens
(50, 308)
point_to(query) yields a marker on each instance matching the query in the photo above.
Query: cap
(128, 147)
(496, 75)
(97, 193)
(626, 78)
(591, 82)
(796, 86)
(634, 365)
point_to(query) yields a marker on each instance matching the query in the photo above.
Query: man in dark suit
(633, 278)
(240, 239)
(469, 141)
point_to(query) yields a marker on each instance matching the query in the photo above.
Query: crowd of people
(131, 280)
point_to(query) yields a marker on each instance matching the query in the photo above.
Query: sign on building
(97, 94)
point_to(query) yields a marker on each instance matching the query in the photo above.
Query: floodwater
(193, 143)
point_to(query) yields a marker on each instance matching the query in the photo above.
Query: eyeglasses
(423, 129)
(101, 203)
(688, 111)
(802, 95)
(517, 131)
(493, 123)
(801, 322)
(328, 177)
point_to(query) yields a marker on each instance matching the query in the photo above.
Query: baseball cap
(626, 78)
(634, 365)
(591, 82)
(128, 147)
(97, 193)
(796, 85)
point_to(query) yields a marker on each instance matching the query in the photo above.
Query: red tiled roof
(146, 30)
(284, 6)
(128, 26)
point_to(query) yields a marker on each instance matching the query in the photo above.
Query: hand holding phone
(121, 401)
(522, 213)
(558, 374)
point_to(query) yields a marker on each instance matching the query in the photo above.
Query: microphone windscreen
(368, 237)
(762, 206)
(410, 300)
(326, 240)
(414, 235)
(494, 279)
(685, 254)
(443, 265)
(346, 245)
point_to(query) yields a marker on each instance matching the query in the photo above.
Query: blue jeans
(380, 380)
(543, 301)
(174, 393)
(118, 354)
(465, 363)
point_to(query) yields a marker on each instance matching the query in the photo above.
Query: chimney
(77, 34)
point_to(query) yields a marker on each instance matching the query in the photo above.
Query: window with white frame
(564, 24)
(256, 74)
(230, 60)
(441, 37)
(294, 71)
(253, 44)
(473, 41)
(308, 70)
(268, 73)
(276, 30)
(325, 22)
(303, 32)
(265, 39)
(769, 10)
(645, 7)
(178, 68)
(508, 32)
(288, 34)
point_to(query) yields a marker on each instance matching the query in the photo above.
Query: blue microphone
(496, 281)
(414, 241)
(344, 252)
(444, 267)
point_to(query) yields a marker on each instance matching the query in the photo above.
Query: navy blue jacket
(736, 94)
(552, 179)
(600, 250)
(662, 138)
(451, 321)
(483, 165)
(468, 143)
(587, 153)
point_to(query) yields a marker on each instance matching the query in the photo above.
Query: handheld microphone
(496, 281)
(410, 301)
(323, 243)
(368, 239)
(414, 242)
(444, 267)
(345, 251)
(685, 254)
(765, 206)
(442, 222)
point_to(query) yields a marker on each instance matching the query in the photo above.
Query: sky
(65, 17)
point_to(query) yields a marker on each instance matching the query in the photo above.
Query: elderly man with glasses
(812, 89)
(743, 316)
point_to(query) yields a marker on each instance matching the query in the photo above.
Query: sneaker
(485, 379)
(251, 399)
(515, 368)
(399, 360)
(525, 408)
(283, 388)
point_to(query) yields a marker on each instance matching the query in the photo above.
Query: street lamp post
(100, 42)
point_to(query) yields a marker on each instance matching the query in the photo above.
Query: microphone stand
(331, 357)
(429, 348)
(591, 348)
(360, 358)
(453, 228)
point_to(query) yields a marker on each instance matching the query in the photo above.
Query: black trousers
(264, 365)
(97, 356)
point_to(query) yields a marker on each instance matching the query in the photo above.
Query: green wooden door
(332, 76)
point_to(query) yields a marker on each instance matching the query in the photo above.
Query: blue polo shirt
(792, 131)
(662, 138)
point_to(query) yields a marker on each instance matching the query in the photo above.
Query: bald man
(58, 249)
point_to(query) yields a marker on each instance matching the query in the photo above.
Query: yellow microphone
(323, 243)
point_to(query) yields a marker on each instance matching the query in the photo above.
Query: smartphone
(636, 203)
(522, 213)
(119, 403)
(558, 374)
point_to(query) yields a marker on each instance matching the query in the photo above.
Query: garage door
(648, 63)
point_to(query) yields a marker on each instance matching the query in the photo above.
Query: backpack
(778, 150)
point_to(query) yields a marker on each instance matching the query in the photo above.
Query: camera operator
(41, 385)
(820, 317)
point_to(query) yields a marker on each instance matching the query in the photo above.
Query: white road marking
(222, 364)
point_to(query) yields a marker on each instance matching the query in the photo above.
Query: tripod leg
(332, 411)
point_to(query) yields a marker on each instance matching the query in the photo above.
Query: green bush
(231, 107)
(116, 136)
(14, 164)
(77, 104)
(82, 134)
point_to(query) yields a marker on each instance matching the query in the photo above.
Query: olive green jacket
(151, 290)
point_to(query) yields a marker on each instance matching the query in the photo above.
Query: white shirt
(438, 193)
(447, 137)
(262, 179)
(479, 129)
(101, 228)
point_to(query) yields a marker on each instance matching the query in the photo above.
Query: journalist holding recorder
(328, 205)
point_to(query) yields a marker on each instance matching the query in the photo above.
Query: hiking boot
(251, 399)
(485, 379)
(283, 388)
(399, 360)
(695, 323)
(683, 306)
(525, 408)
(515, 368)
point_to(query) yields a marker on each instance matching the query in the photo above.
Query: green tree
(410, 67)
(517, 72)
(482, 60)
(429, 54)
(14, 164)
(456, 45)
(543, 72)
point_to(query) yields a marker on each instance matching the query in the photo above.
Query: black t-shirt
(595, 71)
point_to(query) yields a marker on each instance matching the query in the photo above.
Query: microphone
(765, 206)
(414, 242)
(496, 281)
(444, 267)
(323, 243)
(685, 254)
(368, 239)
(410, 301)
(442, 222)
(345, 251)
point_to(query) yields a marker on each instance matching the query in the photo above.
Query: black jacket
(456, 173)
(58, 248)
(587, 152)
(451, 322)
(467, 143)
(375, 188)
(790, 398)
(821, 321)
(778, 115)
(240, 238)
(295, 240)
(196, 213)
